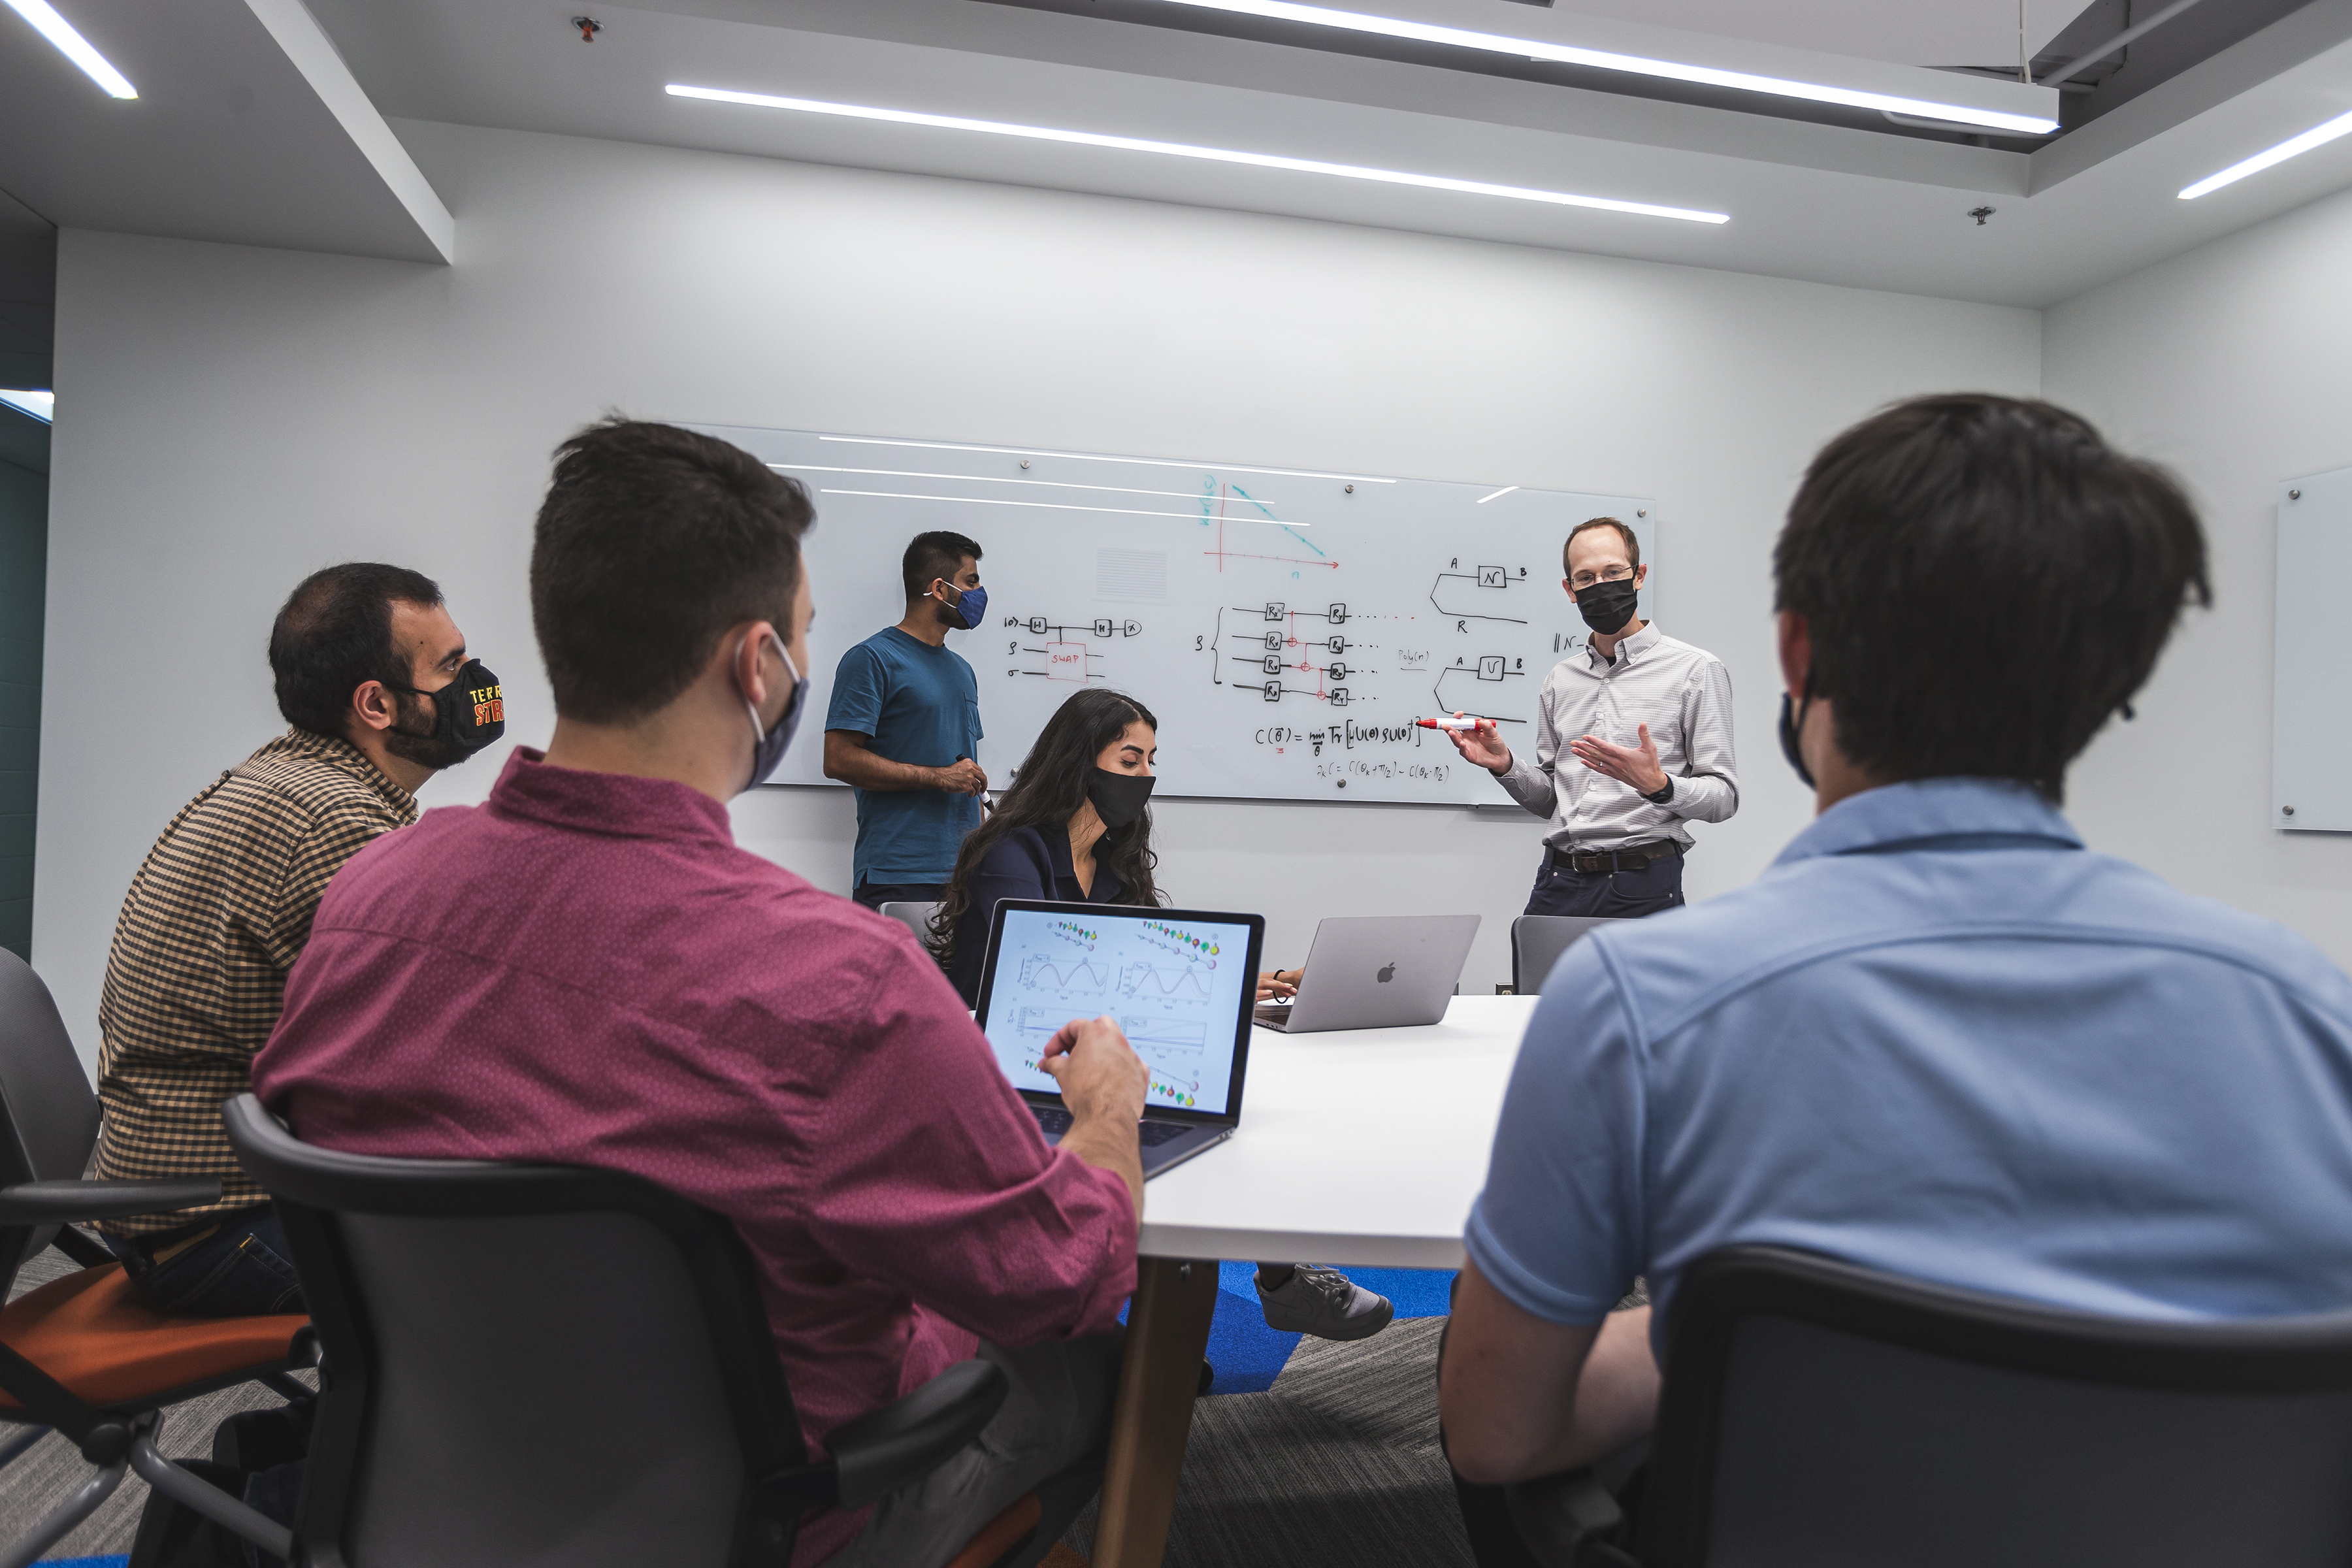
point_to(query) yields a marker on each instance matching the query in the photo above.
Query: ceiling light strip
(1184, 150)
(39, 404)
(1637, 65)
(1498, 495)
(2317, 136)
(1101, 458)
(1055, 506)
(73, 46)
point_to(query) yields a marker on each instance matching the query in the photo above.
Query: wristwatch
(1665, 795)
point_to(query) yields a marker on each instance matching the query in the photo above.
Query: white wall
(230, 419)
(2233, 365)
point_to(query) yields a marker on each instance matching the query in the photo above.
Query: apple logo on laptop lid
(1387, 972)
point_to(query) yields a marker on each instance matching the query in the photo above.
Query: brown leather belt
(1633, 857)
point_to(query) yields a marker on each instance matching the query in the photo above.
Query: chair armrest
(1566, 1520)
(884, 1450)
(67, 1203)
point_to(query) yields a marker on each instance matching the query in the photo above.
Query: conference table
(1358, 1146)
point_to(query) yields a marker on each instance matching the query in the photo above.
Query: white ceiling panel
(1943, 33)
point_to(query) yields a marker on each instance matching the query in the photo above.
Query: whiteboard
(1286, 626)
(2311, 723)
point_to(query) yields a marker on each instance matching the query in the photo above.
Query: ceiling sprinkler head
(589, 27)
(1980, 214)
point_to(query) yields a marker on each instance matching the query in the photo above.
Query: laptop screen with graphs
(1180, 981)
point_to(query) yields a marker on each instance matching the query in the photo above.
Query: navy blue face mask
(970, 606)
(1793, 726)
(768, 745)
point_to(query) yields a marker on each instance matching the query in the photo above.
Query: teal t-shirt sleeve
(1558, 1230)
(859, 684)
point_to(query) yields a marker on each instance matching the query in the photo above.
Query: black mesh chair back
(1537, 943)
(527, 1364)
(1822, 1416)
(550, 1367)
(48, 1117)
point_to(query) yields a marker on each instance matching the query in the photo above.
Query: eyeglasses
(1584, 580)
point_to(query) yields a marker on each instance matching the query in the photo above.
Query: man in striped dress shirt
(222, 907)
(1646, 726)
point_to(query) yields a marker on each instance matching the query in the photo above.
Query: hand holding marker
(1457, 723)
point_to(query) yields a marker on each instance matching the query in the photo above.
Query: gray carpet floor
(1336, 1464)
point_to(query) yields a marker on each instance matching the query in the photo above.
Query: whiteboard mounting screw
(1024, 462)
(2286, 811)
(1351, 489)
(1642, 512)
(2294, 495)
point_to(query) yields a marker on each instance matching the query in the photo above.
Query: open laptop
(1180, 981)
(1376, 972)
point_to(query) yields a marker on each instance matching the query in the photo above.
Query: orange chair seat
(1000, 1534)
(95, 1334)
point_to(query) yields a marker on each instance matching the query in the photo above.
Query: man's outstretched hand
(1484, 747)
(1637, 767)
(1102, 1081)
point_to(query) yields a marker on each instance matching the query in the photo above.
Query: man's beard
(429, 750)
(951, 616)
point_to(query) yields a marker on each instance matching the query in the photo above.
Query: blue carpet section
(1248, 1355)
(83, 1562)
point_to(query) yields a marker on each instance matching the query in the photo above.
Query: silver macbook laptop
(1376, 972)
(1180, 981)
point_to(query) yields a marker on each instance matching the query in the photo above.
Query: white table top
(1359, 1146)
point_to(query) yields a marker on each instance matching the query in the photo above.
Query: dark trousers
(1055, 1416)
(874, 895)
(234, 1265)
(1623, 895)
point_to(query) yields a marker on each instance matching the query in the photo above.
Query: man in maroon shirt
(586, 969)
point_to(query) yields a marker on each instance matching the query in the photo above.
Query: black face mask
(1118, 798)
(468, 714)
(1792, 725)
(1607, 607)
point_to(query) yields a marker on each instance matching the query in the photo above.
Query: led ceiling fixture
(2317, 136)
(1637, 65)
(41, 406)
(73, 46)
(1184, 149)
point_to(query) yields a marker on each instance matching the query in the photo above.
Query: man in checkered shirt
(222, 905)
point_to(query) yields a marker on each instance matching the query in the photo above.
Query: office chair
(555, 1364)
(87, 1355)
(915, 917)
(1821, 1414)
(1537, 943)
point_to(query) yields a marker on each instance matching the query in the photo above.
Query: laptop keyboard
(1150, 1135)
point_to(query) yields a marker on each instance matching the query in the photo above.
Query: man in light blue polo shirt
(1938, 1037)
(903, 729)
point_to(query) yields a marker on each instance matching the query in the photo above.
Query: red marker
(1456, 723)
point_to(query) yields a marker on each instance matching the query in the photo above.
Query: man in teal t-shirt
(903, 729)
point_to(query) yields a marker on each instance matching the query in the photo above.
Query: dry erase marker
(1456, 723)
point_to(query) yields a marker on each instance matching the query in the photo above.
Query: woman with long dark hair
(1076, 826)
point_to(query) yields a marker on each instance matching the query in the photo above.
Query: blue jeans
(237, 1267)
(1621, 894)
